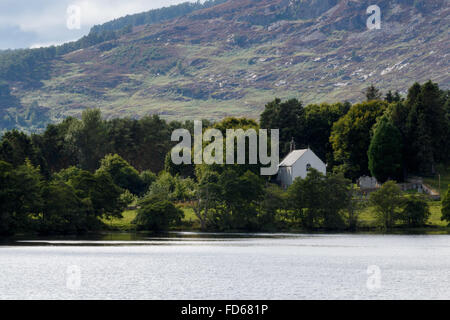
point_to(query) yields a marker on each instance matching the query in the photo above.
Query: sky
(37, 23)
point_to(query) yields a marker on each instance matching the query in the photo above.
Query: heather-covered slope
(232, 58)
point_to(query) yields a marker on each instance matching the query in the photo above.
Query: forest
(81, 173)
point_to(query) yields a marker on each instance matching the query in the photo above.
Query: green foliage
(319, 201)
(309, 127)
(319, 120)
(88, 138)
(20, 196)
(98, 191)
(164, 186)
(385, 152)
(351, 136)
(416, 211)
(372, 93)
(64, 212)
(48, 184)
(274, 200)
(392, 97)
(157, 214)
(172, 188)
(147, 177)
(16, 147)
(426, 128)
(207, 194)
(53, 148)
(289, 117)
(122, 173)
(446, 207)
(240, 195)
(387, 200)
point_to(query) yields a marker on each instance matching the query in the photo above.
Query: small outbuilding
(296, 165)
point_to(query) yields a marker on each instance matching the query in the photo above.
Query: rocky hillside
(234, 57)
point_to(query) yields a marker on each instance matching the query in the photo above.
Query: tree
(157, 214)
(53, 147)
(147, 178)
(274, 200)
(372, 93)
(183, 170)
(351, 136)
(122, 173)
(319, 120)
(355, 206)
(164, 186)
(207, 195)
(88, 139)
(16, 147)
(240, 196)
(318, 200)
(20, 196)
(385, 152)
(426, 127)
(152, 144)
(446, 207)
(289, 117)
(107, 197)
(338, 197)
(98, 191)
(386, 201)
(63, 211)
(416, 211)
(392, 97)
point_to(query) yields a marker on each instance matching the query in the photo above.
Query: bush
(387, 200)
(157, 215)
(416, 211)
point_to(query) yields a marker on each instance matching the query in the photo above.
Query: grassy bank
(367, 221)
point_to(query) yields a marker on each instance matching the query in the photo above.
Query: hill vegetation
(80, 173)
(227, 58)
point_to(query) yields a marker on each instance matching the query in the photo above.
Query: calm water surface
(210, 266)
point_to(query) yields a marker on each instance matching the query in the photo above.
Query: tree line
(77, 173)
(387, 137)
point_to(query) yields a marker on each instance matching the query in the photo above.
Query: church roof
(292, 158)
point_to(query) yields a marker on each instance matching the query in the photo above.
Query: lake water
(245, 266)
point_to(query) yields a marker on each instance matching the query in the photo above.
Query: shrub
(157, 215)
(416, 211)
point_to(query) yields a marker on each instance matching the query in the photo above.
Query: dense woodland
(77, 174)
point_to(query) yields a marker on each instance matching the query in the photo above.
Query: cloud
(25, 23)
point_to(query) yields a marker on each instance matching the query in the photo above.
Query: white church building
(296, 164)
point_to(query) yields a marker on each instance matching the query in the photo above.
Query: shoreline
(136, 235)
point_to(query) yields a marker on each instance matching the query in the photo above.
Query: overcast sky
(25, 23)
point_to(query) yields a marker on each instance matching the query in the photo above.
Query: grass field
(445, 179)
(367, 219)
(125, 224)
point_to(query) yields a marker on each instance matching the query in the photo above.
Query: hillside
(232, 58)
